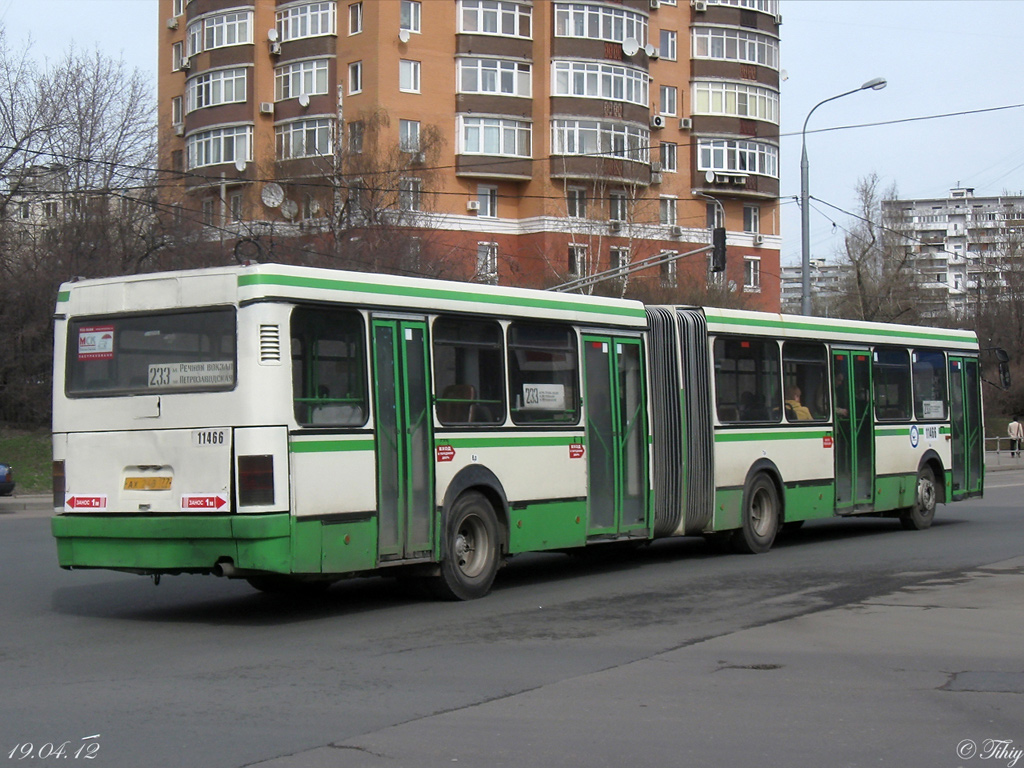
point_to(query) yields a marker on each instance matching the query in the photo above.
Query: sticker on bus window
(204, 374)
(544, 397)
(96, 342)
(932, 409)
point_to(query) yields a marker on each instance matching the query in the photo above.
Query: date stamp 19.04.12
(85, 748)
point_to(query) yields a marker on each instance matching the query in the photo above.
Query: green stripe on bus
(63, 296)
(330, 446)
(439, 294)
(832, 330)
(746, 437)
(510, 442)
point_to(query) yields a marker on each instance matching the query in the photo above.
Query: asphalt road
(852, 643)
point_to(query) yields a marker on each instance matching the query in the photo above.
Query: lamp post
(876, 84)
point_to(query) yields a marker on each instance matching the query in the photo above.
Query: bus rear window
(163, 353)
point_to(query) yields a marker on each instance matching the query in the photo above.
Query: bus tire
(920, 516)
(761, 515)
(472, 549)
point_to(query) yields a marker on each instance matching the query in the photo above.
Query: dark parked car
(6, 480)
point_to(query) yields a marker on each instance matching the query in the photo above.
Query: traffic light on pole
(718, 249)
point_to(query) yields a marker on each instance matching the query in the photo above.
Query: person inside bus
(795, 410)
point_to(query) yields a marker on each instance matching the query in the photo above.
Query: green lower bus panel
(809, 502)
(348, 547)
(894, 492)
(556, 525)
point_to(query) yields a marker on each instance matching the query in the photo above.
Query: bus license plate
(205, 437)
(147, 483)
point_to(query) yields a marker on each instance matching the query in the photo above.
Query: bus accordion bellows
(293, 426)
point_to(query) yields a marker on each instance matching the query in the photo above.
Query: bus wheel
(472, 549)
(920, 516)
(760, 517)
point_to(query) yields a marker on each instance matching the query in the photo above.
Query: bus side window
(469, 375)
(805, 380)
(747, 381)
(892, 384)
(543, 376)
(328, 368)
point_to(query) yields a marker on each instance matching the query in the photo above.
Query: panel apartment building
(537, 140)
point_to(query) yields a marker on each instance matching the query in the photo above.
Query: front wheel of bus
(920, 516)
(760, 517)
(472, 549)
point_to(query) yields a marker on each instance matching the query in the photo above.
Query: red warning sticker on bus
(826, 441)
(575, 450)
(445, 453)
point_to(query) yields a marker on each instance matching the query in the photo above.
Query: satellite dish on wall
(303, 100)
(289, 208)
(709, 177)
(240, 165)
(649, 49)
(630, 46)
(403, 35)
(272, 35)
(272, 195)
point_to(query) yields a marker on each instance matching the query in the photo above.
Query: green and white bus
(294, 426)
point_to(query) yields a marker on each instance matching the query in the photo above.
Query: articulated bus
(293, 426)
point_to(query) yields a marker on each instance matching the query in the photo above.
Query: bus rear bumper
(173, 543)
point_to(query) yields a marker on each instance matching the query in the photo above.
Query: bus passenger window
(747, 385)
(805, 380)
(329, 368)
(929, 384)
(543, 374)
(892, 384)
(469, 381)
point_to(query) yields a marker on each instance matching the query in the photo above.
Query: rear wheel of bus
(761, 516)
(920, 516)
(472, 549)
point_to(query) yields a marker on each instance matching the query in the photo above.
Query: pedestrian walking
(1016, 432)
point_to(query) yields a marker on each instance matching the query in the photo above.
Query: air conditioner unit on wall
(266, 107)
(172, 23)
(473, 205)
(685, 123)
(676, 231)
(179, 129)
(655, 5)
(657, 121)
(699, 5)
(758, 239)
(655, 178)
(185, 64)
(615, 225)
(275, 48)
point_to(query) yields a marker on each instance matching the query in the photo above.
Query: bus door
(616, 435)
(403, 435)
(854, 438)
(965, 425)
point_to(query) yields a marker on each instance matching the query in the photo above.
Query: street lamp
(876, 84)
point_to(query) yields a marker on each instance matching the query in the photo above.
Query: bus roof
(831, 329)
(262, 282)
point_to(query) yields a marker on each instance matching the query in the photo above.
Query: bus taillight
(255, 480)
(58, 485)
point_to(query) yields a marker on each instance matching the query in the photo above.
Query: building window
(409, 76)
(496, 17)
(668, 45)
(236, 206)
(208, 212)
(177, 56)
(50, 210)
(355, 77)
(409, 190)
(576, 202)
(304, 138)
(738, 156)
(179, 7)
(617, 206)
(227, 29)
(355, 18)
(600, 81)
(751, 218)
(667, 206)
(177, 115)
(220, 145)
(752, 274)
(735, 45)
(620, 259)
(410, 15)
(508, 78)
(487, 196)
(355, 137)
(577, 260)
(487, 262)
(669, 100)
(24, 210)
(715, 216)
(669, 152)
(595, 137)
(409, 135)
(309, 20)
(596, 22)
(225, 86)
(495, 136)
(194, 38)
(669, 273)
(721, 97)
(301, 78)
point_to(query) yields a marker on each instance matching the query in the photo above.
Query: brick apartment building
(531, 141)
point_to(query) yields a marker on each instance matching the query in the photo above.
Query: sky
(940, 57)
